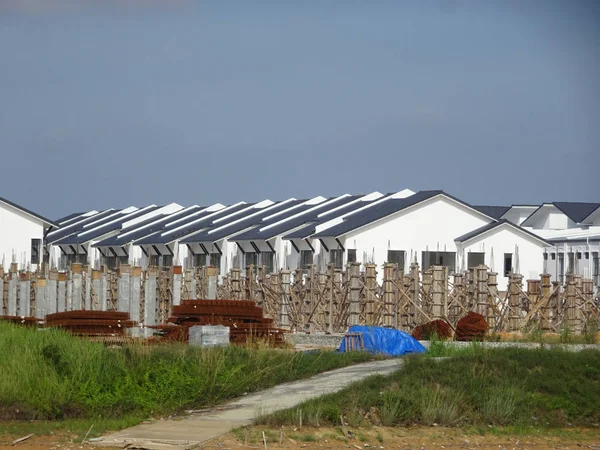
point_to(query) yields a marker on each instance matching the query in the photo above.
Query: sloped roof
(576, 211)
(490, 226)
(29, 212)
(493, 211)
(385, 209)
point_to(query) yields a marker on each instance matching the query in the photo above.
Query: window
(578, 255)
(267, 259)
(447, 259)
(553, 256)
(396, 257)
(251, 259)
(587, 255)
(123, 260)
(199, 260)
(475, 259)
(110, 262)
(153, 260)
(35, 250)
(215, 260)
(545, 256)
(167, 260)
(336, 257)
(306, 259)
(596, 267)
(351, 255)
(507, 264)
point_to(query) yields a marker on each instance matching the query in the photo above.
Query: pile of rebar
(20, 320)
(245, 321)
(91, 323)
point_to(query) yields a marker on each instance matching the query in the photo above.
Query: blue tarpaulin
(386, 341)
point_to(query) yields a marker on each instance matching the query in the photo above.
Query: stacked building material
(440, 328)
(91, 323)
(244, 319)
(29, 321)
(472, 327)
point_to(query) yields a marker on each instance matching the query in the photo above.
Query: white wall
(517, 214)
(503, 240)
(16, 231)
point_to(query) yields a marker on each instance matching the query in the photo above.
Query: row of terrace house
(427, 227)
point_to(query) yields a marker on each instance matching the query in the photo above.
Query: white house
(21, 235)
(573, 229)
(422, 227)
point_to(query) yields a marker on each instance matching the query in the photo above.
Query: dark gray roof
(493, 211)
(113, 224)
(256, 234)
(190, 226)
(577, 212)
(29, 212)
(311, 227)
(69, 217)
(207, 236)
(69, 229)
(382, 210)
(490, 226)
(141, 230)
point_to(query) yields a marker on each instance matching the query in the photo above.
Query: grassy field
(479, 387)
(48, 374)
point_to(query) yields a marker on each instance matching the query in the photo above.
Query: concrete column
(124, 288)
(492, 283)
(150, 299)
(77, 292)
(62, 292)
(284, 311)
(12, 290)
(41, 306)
(236, 287)
(371, 288)
(51, 286)
(136, 287)
(177, 272)
(87, 276)
(514, 301)
(96, 290)
(212, 274)
(103, 293)
(24, 306)
(389, 305)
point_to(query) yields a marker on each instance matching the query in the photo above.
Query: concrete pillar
(77, 296)
(414, 293)
(24, 306)
(103, 293)
(124, 288)
(389, 304)
(150, 299)
(51, 286)
(177, 276)
(62, 292)
(249, 281)
(514, 301)
(135, 294)
(284, 306)
(41, 306)
(212, 273)
(236, 286)
(439, 303)
(87, 283)
(371, 289)
(12, 290)
(492, 283)
(482, 292)
(69, 305)
(96, 290)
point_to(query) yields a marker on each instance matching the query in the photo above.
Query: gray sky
(139, 102)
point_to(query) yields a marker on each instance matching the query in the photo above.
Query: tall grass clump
(48, 374)
(522, 387)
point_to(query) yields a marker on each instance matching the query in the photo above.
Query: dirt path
(189, 431)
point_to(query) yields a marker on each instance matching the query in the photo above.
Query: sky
(137, 102)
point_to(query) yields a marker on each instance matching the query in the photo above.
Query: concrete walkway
(192, 430)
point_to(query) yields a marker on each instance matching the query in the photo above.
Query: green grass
(497, 387)
(48, 374)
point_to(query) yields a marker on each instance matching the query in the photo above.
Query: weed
(565, 335)
(379, 437)
(590, 330)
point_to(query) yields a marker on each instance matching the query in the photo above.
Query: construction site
(162, 304)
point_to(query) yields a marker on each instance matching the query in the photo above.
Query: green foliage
(590, 331)
(48, 374)
(482, 387)
(565, 335)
